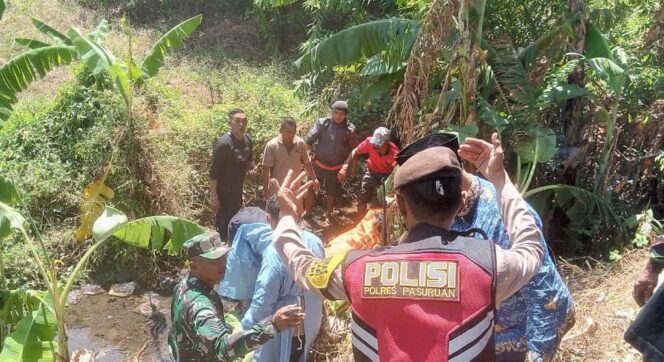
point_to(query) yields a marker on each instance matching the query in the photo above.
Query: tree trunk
(421, 64)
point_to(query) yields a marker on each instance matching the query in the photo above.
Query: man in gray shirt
(332, 138)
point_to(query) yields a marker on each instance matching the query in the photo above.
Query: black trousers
(646, 333)
(231, 203)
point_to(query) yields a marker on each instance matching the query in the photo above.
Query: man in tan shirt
(286, 152)
(510, 269)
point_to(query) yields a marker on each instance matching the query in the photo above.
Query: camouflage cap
(206, 245)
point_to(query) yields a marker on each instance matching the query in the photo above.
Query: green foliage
(8, 191)
(523, 20)
(153, 232)
(578, 204)
(9, 219)
(16, 74)
(51, 32)
(646, 227)
(31, 43)
(33, 338)
(101, 60)
(391, 38)
(54, 149)
(172, 39)
(2, 8)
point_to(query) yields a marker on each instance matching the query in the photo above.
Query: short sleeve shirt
(332, 142)
(379, 163)
(280, 159)
(231, 160)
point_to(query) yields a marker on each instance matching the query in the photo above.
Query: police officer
(198, 331)
(433, 296)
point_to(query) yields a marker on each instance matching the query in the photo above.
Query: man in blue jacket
(255, 272)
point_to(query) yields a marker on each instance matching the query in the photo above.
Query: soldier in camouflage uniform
(198, 331)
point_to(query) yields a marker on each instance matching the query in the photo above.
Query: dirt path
(604, 310)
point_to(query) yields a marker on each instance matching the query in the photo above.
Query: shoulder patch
(320, 271)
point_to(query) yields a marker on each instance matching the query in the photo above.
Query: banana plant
(17, 74)
(381, 47)
(125, 75)
(33, 335)
(613, 71)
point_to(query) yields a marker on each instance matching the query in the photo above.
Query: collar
(424, 230)
(471, 200)
(280, 140)
(235, 140)
(344, 123)
(195, 283)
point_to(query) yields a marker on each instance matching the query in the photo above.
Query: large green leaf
(99, 34)
(530, 53)
(380, 65)
(33, 338)
(607, 69)
(462, 133)
(173, 38)
(98, 60)
(2, 8)
(50, 32)
(9, 193)
(491, 117)
(107, 222)
(577, 204)
(18, 73)
(602, 60)
(558, 93)
(539, 146)
(359, 42)
(381, 85)
(153, 232)
(596, 45)
(31, 43)
(9, 219)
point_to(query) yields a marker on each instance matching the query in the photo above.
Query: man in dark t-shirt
(332, 138)
(231, 160)
(248, 215)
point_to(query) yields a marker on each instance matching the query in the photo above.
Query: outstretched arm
(517, 265)
(320, 276)
(350, 161)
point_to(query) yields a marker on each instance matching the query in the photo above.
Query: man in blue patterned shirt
(531, 323)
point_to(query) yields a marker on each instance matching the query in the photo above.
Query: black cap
(449, 140)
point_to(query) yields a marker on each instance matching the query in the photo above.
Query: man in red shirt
(380, 165)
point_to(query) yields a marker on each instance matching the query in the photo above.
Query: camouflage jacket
(198, 331)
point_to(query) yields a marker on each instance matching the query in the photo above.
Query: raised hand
(487, 157)
(291, 193)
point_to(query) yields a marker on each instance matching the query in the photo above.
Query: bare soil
(115, 329)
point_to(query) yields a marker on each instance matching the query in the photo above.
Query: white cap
(380, 136)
